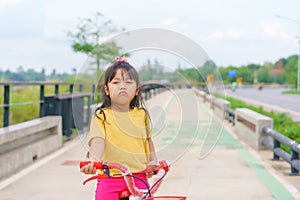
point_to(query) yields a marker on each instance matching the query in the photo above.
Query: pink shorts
(109, 188)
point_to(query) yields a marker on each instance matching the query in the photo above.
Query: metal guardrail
(230, 115)
(147, 89)
(278, 139)
(6, 101)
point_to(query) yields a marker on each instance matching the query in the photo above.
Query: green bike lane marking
(161, 115)
(190, 127)
(272, 184)
(226, 139)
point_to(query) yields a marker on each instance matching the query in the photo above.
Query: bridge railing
(256, 130)
(278, 139)
(25, 142)
(7, 86)
(73, 90)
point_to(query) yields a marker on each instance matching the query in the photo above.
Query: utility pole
(298, 37)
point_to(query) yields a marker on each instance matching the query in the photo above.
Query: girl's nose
(122, 85)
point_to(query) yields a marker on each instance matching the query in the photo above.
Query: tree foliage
(155, 71)
(283, 71)
(22, 75)
(291, 68)
(209, 67)
(88, 36)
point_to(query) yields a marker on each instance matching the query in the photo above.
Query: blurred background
(35, 35)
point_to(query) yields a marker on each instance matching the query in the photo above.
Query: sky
(33, 33)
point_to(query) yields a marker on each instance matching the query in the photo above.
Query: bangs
(126, 70)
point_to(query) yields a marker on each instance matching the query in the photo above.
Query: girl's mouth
(123, 92)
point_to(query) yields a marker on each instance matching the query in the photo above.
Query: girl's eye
(129, 81)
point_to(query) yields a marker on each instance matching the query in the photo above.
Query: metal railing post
(6, 106)
(80, 87)
(71, 88)
(42, 100)
(93, 94)
(294, 156)
(88, 115)
(56, 90)
(276, 144)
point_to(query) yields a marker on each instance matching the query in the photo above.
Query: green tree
(209, 67)
(193, 76)
(246, 73)
(290, 70)
(146, 72)
(89, 33)
(224, 74)
(263, 73)
(253, 67)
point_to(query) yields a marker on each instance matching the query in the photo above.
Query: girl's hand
(149, 167)
(89, 169)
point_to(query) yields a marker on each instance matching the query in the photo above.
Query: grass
(291, 92)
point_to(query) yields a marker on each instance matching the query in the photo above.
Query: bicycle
(133, 193)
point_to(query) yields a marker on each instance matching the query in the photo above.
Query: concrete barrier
(200, 94)
(220, 106)
(206, 98)
(249, 124)
(23, 143)
(210, 100)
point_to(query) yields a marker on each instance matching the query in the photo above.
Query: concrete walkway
(208, 161)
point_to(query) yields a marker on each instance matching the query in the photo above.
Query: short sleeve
(96, 129)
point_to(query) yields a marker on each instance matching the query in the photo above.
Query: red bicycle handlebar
(160, 170)
(97, 165)
(105, 165)
(122, 168)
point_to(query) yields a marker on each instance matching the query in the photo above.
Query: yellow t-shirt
(125, 135)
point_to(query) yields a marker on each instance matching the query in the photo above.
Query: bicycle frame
(158, 170)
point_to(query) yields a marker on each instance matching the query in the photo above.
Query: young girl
(120, 130)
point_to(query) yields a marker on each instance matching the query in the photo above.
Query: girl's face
(121, 89)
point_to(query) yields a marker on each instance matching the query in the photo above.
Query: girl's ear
(137, 91)
(106, 90)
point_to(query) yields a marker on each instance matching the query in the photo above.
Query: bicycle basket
(166, 198)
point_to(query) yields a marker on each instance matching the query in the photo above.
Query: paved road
(271, 98)
(208, 161)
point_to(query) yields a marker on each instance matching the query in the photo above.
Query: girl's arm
(153, 158)
(95, 154)
(96, 149)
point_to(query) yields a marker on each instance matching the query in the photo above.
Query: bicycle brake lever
(98, 165)
(155, 168)
(98, 176)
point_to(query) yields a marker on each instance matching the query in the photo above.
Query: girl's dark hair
(110, 73)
